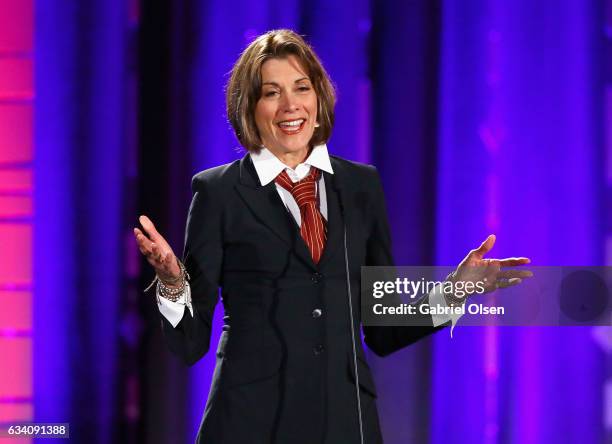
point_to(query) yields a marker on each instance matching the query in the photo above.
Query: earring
(317, 125)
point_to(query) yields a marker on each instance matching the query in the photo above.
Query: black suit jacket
(284, 370)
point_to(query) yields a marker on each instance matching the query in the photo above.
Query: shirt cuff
(437, 299)
(174, 311)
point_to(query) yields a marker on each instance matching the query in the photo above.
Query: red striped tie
(305, 194)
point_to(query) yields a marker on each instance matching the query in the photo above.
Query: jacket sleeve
(386, 340)
(203, 257)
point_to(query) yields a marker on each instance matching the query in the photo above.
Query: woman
(278, 231)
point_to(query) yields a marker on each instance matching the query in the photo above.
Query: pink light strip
(16, 98)
(16, 286)
(16, 165)
(15, 192)
(8, 54)
(18, 356)
(15, 399)
(15, 333)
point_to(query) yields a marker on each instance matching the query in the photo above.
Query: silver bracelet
(171, 293)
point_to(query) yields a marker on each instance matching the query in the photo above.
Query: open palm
(157, 251)
(474, 267)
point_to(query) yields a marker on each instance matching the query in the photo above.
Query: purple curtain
(482, 117)
(80, 169)
(520, 155)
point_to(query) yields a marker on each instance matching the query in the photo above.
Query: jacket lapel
(267, 206)
(335, 224)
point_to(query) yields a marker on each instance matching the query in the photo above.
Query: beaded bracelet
(171, 293)
(174, 293)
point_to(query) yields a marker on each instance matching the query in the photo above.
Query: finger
(140, 236)
(149, 228)
(508, 283)
(152, 252)
(143, 250)
(510, 274)
(143, 241)
(486, 246)
(514, 261)
(492, 264)
(144, 244)
(156, 252)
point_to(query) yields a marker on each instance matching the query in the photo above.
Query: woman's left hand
(476, 268)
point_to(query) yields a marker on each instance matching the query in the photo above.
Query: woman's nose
(290, 102)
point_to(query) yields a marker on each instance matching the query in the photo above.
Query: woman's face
(286, 113)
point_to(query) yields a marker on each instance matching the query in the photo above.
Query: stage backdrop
(482, 117)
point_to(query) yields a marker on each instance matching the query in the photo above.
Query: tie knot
(303, 191)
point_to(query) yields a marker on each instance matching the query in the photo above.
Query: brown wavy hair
(243, 89)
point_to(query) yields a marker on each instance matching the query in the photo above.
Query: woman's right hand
(157, 251)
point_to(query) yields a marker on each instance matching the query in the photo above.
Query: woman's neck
(293, 158)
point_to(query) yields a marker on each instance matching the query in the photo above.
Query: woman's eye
(304, 88)
(270, 93)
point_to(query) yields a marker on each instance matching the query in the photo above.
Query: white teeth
(292, 124)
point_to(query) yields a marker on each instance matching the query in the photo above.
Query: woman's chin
(293, 147)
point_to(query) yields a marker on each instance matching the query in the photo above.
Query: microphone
(338, 189)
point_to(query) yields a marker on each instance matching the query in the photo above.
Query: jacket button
(316, 313)
(318, 349)
(316, 277)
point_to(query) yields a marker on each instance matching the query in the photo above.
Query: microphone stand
(351, 316)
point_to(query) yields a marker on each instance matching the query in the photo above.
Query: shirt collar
(268, 166)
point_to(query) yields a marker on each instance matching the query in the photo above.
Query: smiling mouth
(292, 127)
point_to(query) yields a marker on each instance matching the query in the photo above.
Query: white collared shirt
(268, 167)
